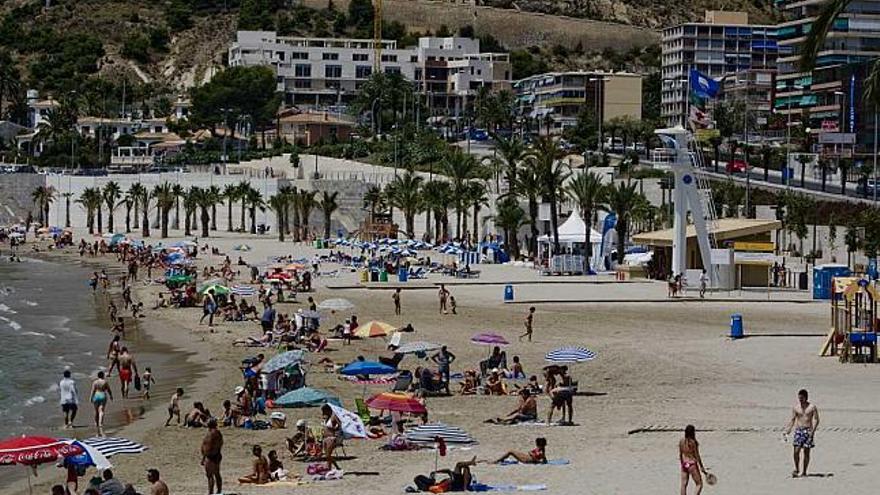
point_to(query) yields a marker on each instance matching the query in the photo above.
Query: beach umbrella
(110, 446)
(307, 397)
(33, 450)
(308, 313)
(430, 432)
(417, 347)
(390, 401)
(367, 368)
(89, 457)
(373, 329)
(183, 244)
(336, 305)
(244, 290)
(382, 380)
(208, 283)
(283, 360)
(242, 247)
(116, 239)
(570, 355)
(489, 338)
(179, 279)
(218, 289)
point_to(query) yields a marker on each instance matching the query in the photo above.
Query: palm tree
(67, 197)
(128, 203)
(588, 192)
(111, 193)
(509, 218)
(529, 186)
(405, 194)
(373, 199)
(134, 192)
(279, 203)
(546, 156)
(295, 200)
(165, 201)
(254, 200)
(437, 195)
(476, 198)
(230, 194)
(204, 200)
(306, 204)
(10, 79)
(288, 192)
(244, 188)
(843, 166)
(459, 167)
(91, 199)
(215, 194)
(178, 191)
(622, 199)
(145, 212)
(189, 207)
(55, 126)
(328, 205)
(43, 196)
(510, 153)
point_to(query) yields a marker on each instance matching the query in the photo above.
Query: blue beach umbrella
(367, 368)
(570, 355)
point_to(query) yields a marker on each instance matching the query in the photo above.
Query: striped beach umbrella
(416, 347)
(110, 446)
(336, 304)
(570, 355)
(428, 434)
(390, 401)
(244, 290)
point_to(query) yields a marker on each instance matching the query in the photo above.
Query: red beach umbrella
(32, 450)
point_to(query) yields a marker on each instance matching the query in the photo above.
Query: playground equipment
(691, 194)
(853, 334)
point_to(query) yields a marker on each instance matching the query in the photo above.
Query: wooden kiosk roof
(727, 229)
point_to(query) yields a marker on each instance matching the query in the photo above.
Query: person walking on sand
(529, 324)
(148, 382)
(804, 420)
(443, 294)
(209, 305)
(113, 351)
(98, 397)
(212, 446)
(444, 360)
(396, 298)
(704, 281)
(127, 369)
(69, 399)
(690, 460)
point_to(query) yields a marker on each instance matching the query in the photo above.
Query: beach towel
(550, 462)
(482, 487)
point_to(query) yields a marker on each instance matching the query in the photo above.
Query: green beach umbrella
(179, 279)
(218, 289)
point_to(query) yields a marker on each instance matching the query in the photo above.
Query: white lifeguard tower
(691, 194)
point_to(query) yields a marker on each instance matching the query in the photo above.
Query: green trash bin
(383, 276)
(319, 243)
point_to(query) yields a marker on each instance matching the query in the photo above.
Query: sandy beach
(661, 365)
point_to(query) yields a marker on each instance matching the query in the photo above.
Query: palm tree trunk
(622, 225)
(243, 209)
(100, 221)
(145, 221)
(253, 219)
(165, 215)
(137, 213)
(109, 218)
(176, 213)
(588, 247)
(533, 227)
(428, 222)
(280, 221)
(90, 220)
(476, 223)
(554, 223)
(296, 225)
(186, 222)
(327, 218)
(67, 211)
(206, 222)
(229, 215)
(213, 217)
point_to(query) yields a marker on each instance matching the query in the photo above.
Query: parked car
(479, 135)
(737, 166)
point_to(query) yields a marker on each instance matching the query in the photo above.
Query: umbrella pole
(30, 488)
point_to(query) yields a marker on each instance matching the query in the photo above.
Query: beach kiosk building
(750, 239)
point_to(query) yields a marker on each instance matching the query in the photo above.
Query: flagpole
(687, 99)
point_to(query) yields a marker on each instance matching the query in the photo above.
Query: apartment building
(323, 72)
(724, 44)
(755, 90)
(828, 99)
(558, 97)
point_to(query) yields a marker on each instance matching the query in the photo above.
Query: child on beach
(148, 382)
(174, 407)
(452, 305)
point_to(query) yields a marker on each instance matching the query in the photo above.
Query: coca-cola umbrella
(33, 450)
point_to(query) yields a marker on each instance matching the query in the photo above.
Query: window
(330, 56)
(280, 55)
(392, 70)
(362, 71)
(299, 56)
(333, 71)
(302, 70)
(414, 58)
(389, 58)
(360, 57)
(302, 83)
(335, 84)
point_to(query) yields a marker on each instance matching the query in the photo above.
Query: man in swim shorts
(127, 368)
(804, 420)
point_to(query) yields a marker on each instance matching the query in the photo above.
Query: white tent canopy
(573, 230)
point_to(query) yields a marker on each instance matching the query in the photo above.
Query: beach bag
(137, 382)
(316, 468)
(423, 483)
(441, 487)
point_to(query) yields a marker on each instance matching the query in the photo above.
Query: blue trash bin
(736, 326)
(402, 275)
(508, 292)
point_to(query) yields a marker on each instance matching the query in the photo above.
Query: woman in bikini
(689, 458)
(98, 397)
(538, 455)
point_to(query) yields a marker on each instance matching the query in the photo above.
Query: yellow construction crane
(377, 36)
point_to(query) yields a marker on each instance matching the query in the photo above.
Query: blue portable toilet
(508, 292)
(736, 326)
(822, 275)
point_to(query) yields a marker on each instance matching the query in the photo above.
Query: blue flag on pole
(702, 85)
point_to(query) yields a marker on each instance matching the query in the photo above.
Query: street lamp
(599, 113)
